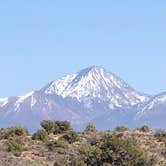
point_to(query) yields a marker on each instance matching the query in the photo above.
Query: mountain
(95, 83)
(154, 112)
(91, 95)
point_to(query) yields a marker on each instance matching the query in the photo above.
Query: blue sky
(43, 40)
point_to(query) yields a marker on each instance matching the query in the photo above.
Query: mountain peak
(92, 69)
(95, 83)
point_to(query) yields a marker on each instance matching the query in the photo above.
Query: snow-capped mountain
(96, 83)
(93, 94)
(154, 112)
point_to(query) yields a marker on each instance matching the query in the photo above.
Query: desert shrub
(90, 128)
(55, 127)
(40, 135)
(3, 133)
(70, 136)
(161, 135)
(48, 125)
(60, 147)
(61, 127)
(93, 139)
(118, 151)
(143, 128)
(121, 129)
(15, 146)
(54, 145)
(90, 155)
(18, 131)
(13, 132)
(113, 151)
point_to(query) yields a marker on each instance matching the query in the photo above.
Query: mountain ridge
(94, 82)
(86, 96)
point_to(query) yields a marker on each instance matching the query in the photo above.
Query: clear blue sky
(42, 40)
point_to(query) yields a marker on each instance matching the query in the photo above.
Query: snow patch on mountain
(152, 104)
(59, 86)
(3, 102)
(21, 100)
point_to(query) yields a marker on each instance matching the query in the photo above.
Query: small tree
(61, 127)
(40, 135)
(55, 127)
(70, 137)
(48, 125)
(90, 128)
(118, 151)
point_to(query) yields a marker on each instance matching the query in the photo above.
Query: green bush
(121, 129)
(90, 128)
(48, 125)
(15, 146)
(40, 135)
(70, 137)
(90, 155)
(61, 127)
(143, 128)
(13, 132)
(55, 127)
(113, 151)
(118, 151)
(54, 145)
